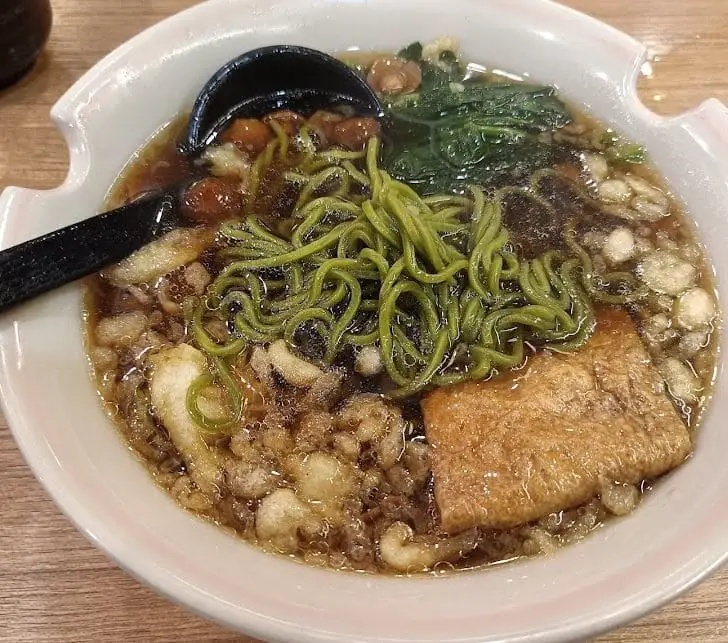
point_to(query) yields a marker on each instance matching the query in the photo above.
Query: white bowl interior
(631, 565)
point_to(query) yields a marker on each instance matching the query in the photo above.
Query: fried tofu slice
(535, 441)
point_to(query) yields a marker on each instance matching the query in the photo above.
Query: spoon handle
(62, 256)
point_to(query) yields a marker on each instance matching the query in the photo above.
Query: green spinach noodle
(432, 281)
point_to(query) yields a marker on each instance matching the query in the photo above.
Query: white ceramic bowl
(677, 536)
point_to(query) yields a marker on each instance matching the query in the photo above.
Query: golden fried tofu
(534, 441)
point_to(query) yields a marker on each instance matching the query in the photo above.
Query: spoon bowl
(276, 77)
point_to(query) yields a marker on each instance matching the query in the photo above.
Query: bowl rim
(52, 478)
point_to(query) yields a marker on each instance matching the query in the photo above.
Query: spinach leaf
(620, 150)
(624, 152)
(491, 165)
(411, 52)
(456, 131)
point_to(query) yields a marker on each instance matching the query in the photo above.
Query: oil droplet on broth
(111, 408)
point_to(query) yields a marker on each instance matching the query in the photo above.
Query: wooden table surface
(54, 586)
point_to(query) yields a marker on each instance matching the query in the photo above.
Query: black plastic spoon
(254, 84)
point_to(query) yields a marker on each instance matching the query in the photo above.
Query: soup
(472, 332)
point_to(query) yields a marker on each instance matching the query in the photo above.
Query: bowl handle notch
(707, 125)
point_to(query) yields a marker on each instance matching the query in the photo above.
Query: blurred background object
(24, 29)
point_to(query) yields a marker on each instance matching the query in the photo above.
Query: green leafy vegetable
(626, 153)
(457, 130)
(619, 150)
(411, 52)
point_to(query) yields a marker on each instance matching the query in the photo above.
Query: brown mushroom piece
(290, 121)
(211, 200)
(249, 135)
(324, 122)
(353, 133)
(391, 75)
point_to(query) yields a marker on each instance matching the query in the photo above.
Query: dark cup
(24, 29)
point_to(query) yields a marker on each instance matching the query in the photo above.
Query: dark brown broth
(158, 165)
